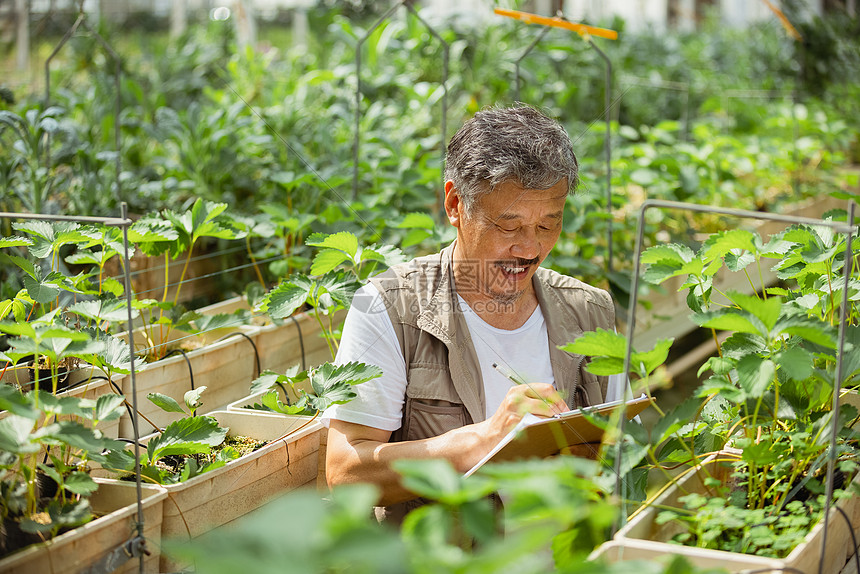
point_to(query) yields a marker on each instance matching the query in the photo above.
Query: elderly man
(437, 324)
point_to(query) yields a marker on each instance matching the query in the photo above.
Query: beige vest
(444, 388)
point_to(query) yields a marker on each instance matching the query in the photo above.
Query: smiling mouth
(516, 269)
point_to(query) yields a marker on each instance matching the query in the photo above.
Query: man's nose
(526, 244)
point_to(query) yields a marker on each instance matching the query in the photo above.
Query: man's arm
(358, 453)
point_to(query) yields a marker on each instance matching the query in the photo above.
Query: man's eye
(506, 230)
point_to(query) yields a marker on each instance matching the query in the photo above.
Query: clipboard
(536, 437)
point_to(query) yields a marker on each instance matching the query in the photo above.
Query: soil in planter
(173, 463)
(44, 383)
(13, 538)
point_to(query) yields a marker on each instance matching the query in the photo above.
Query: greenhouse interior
(429, 286)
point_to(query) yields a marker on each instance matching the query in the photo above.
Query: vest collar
(443, 318)
(562, 327)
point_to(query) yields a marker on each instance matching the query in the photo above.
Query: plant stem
(254, 261)
(316, 315)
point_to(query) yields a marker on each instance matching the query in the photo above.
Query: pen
(508, 374)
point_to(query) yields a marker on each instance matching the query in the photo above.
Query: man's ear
(453, 204)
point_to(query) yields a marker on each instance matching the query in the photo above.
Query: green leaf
(15, 435)
(17, 403)
(417, 220)
(192, 398)
(39, 291)
(598, 343)
(272, 402)
(437, 480)
(327, 260)
(727, 321)
(115, 356)
(14, 241)
(269, 379)
(342, 241)
(673, 253)
(675, 420)
(165, 403)
(605, 366)
(767, 310)
(650, 360)
(70, 514)
(113, 310)
(720, 244)
(108, 407)
(189, 435)
(739, 261)
(285, 298)
(77, 435)
(25, 265)
(80, 483)
(333, 384)
(414, 237)
(755, 375)
(811, 329)
(795, 363)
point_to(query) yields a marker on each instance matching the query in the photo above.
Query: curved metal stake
(543, 32)
(837, 384)
(607, 149)
(444, 123)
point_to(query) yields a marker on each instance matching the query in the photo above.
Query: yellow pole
(557, 22)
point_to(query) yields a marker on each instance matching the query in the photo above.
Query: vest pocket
(432, 405)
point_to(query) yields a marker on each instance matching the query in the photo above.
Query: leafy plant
(327, 290)
(170, 454)
(173, 235)
(33, 430)
(329, 385)
(769, 388)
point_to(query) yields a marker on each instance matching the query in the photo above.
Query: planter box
(280, 345)
(80, 548)
(239, 407)
(289, 461)
(643, 539)
(224, 366)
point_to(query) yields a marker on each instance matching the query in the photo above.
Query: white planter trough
(225, 366)
(82, 547)
(256, 398)
(643, 539)
(280, 345)
(290, 460)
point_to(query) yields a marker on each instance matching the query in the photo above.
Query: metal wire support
(408, 4)
(837, 383)
(837, 227)
(134, 547)
(81, 21)
(607, 150)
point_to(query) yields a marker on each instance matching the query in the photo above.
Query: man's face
(503, 239)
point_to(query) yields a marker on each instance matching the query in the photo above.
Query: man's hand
(540, 399)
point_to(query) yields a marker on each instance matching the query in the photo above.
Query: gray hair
(518, 144)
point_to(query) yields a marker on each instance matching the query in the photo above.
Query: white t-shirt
(369, 337)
